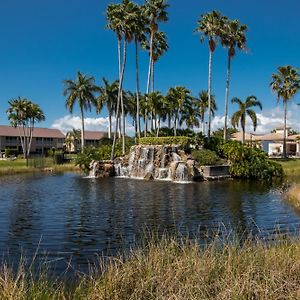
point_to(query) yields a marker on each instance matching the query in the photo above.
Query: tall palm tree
(108, 97)
(201, 105)
(139, 31)
(285, 83)
(155, 11)
(82, 90)
(179, 96)
(210, 26)
(245, 110)
(190, 114)
(233, 37)
(120, 18)
(23, 114)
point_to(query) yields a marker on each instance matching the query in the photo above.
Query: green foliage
(205, 157)
(250, 163)
(183, 141)
(102, 152)
(11, 152)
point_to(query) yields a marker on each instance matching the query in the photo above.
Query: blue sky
(45, 42)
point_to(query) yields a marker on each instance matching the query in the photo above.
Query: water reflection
(76, 218)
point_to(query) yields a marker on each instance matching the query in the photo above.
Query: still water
(73, 219)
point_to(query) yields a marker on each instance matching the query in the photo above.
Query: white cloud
(69, 122)
(267, 120)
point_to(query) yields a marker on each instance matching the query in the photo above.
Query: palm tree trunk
(119, 98)
(138, 121)
(152, 75)
(226, 96)
(284, 130)
(209, 93)
(123, 123)
(109, 126)
(82, 129)
(158, 127)
(148, 80)
(243, 135)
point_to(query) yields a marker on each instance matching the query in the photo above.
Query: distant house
(91, 138)
(272, 143)
(43, 139)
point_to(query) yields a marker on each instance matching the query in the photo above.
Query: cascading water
(155, 162)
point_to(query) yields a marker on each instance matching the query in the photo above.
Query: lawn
(291, 167)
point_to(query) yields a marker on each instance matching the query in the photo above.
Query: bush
(182, 141)
(100, 153)
(11, 152)
(251, 163)
(205, 157)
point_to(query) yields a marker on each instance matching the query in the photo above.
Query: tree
(244, 111)
(210, 26)
(155, 11)
(23, 114)
(178, 96)
(201, 104)
(233, 37)
(82, 90)
(138, 29)
(285, 83)
(120, 18)
(108, 97)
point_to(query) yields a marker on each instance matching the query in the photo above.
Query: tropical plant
(285, 83)
(23, 114)
(201, 104)
(244, 111)
(179, 97)
(155, 12)
(72, 138)
(210, 26)
(139, 31)
(233, 37)
(82, 90)
(108, 97)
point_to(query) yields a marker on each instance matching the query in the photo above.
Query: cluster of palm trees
(23, 114)
(136, 23)
(231, 34)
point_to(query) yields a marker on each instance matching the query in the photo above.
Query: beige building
(43, 139)
(272, 143)
(91, 138)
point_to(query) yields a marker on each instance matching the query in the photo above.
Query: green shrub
(205, 157)
(11, 152)
(182, 141)
(100, 153)
(251, 163)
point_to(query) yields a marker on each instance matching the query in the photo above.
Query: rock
(148, 177)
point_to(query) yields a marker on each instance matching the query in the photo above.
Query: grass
(18, 166)
(291, 167)
(174, 269)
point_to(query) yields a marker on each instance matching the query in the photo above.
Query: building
(272, 143)
(91, 138)
(43, 139)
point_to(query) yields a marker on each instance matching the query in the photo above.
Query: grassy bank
(18, 166)
(291, 167)
(171, 269)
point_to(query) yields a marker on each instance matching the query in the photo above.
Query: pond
(73, 219)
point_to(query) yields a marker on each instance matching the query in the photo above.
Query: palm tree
(190, 114)
(120, 18)
(155, 11)
(285, 84)
(81, 90)
(178, 96)
(244, 111)
(108, 96)
(201, 104)
(210, 26)
(23, 114)
(233, 37)
(138, 29)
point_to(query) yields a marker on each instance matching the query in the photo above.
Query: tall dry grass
(293, 196)
(175, 269)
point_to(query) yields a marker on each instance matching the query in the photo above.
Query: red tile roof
(37, 132)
